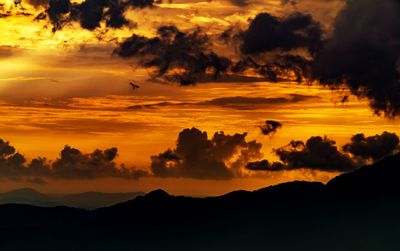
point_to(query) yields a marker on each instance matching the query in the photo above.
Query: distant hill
(88, 200)
(27, 196)
(354, 211)
(92, 200)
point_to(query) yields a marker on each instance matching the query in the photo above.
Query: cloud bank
(196, 156)
(72, 164)
(322, 153)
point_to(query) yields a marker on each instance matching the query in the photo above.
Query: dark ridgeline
(87, 200)
(355, 211)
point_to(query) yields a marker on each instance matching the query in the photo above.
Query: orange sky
(66, 88)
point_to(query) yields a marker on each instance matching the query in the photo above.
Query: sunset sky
(66, 81)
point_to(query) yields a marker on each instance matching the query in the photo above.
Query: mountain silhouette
(27, 196)
(354, 211)
(87, 200)
(380, 178)
(92, 200)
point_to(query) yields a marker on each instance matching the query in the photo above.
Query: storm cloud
(276, 47)
(363, 54)
(198, 157)
(269, 33)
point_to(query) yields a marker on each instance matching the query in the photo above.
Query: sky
(235, 94)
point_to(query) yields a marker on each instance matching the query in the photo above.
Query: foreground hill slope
(355, 211)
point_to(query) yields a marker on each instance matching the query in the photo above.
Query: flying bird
(134, 86)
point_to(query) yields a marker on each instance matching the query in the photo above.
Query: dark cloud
(5, 149)
(291, 2)
(240, 3)
(239, 102)
(11, 162)
(363, 54)
(247, 154)
(56, 11)
(248, 103)
(72, 164)
(158, 105)
(269, 33)
(270, 127)
(274, 67)
(175, 55)
(198, 157)
(372, 147)
(265, 165)
(277, 47)
(320, 153)
(272, 47)
(90, 13)
(37, 3)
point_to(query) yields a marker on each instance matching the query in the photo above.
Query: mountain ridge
(298, 215)
(85, 200)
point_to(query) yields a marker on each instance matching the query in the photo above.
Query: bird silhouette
(134, 86)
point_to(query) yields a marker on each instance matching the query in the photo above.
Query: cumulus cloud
(372, 147)
(175, 55)
(320, 153)
(198, 157)
(72, 164)
(270, 127)
(11, 162)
